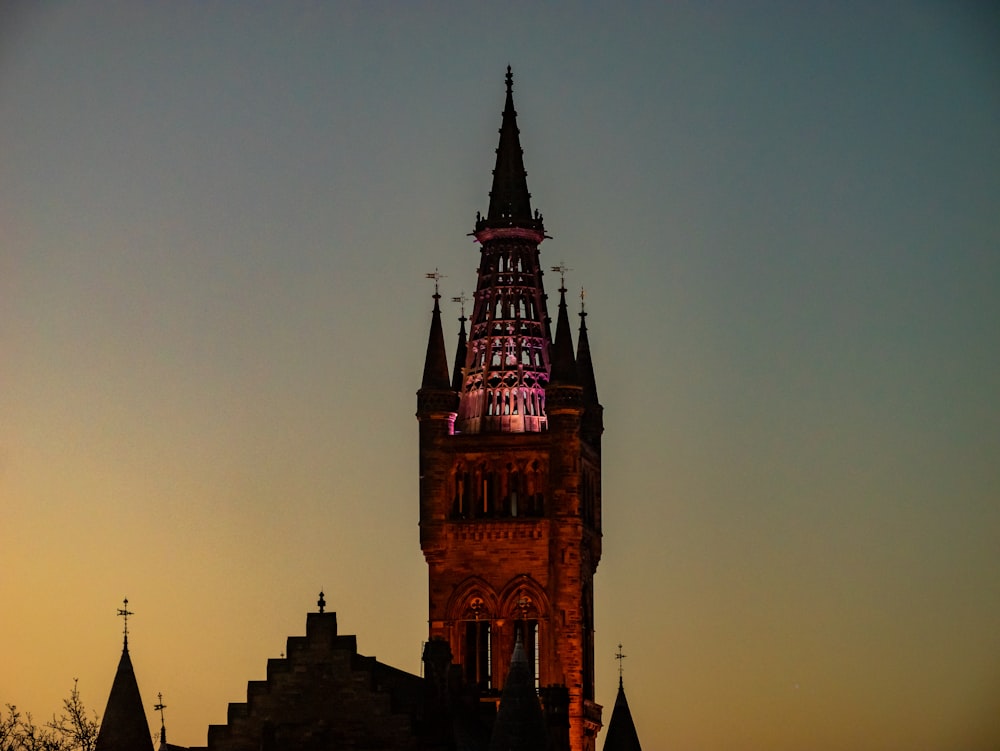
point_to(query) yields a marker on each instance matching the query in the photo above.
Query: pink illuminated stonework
(510, 471)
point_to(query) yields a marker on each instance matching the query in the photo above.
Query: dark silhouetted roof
(456, 377)
(564, 369)
(584, 365)
(436, 361)
(621, 735)
(124, 727)
(510, 202)
(520, 725)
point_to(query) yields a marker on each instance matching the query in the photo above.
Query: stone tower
(510, 466)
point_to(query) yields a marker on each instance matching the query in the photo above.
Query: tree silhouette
(73, 730)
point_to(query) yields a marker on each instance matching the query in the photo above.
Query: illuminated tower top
(505, 363)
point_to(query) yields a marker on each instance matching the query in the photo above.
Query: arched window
(478, 654)
(527, 629)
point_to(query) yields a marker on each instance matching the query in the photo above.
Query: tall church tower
(510, 466)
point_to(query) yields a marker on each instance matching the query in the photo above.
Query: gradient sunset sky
(215, 223)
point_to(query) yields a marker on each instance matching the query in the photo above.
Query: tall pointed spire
(510, 202)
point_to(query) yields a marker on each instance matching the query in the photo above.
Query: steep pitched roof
(460, 353)
(520, 724)
(510, 202)
(436, 360)
(124, 727)
(564, 370)
(584, 364)
(621, 735)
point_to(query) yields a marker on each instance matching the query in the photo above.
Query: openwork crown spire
(505, 361)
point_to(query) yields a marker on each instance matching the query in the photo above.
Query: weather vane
(562, 268)
(124, 612)
(437, 276)
(619, 655)
(159, 707)
(461, 300)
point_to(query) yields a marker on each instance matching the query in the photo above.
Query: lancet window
(498, 490)
(478, 654)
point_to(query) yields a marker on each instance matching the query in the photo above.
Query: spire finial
(321, 602)
(583, 301)
(620, 656)
(510, 81)
(461, 300)
(159, 707)
(124, 612)
(562, 268)
(437, 276)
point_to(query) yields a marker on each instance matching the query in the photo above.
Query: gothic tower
(510, 466)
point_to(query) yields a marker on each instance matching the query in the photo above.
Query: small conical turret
(436, 360)
(593, 412)
(520, 724)
(435, 399)
(622, 735)
(564, 370)
(460, 353)
(584, 365)
(124, 726)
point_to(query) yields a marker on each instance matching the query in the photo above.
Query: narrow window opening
(478, 654)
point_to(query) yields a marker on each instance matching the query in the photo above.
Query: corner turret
(436, 399)
(593, 414)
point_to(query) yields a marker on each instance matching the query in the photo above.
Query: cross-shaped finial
(437, 276)
(583, 301)
(562, 268)
(321, 602)
(619, 655)
(159, 707)
(461, 300)
(124, 612)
